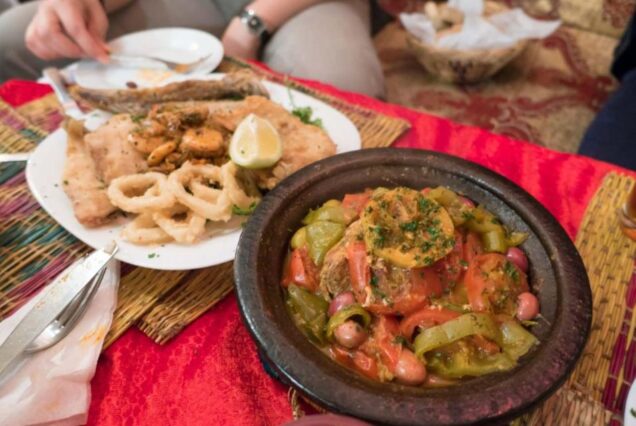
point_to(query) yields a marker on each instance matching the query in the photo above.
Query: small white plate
(183, 45)
(630, 407)
(44, 176)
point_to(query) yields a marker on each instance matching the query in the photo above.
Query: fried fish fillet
(303, 143)
(111, 150)
(81, 181)
(139, 101)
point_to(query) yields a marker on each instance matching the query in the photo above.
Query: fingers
(45, 38)
(98, 21)
(74, 23)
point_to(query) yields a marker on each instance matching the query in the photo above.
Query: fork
(179, 67)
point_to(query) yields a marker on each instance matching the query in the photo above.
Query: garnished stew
(421, 287)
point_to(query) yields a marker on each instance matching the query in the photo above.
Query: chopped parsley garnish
(374, 280)
(379, 235)
(401, 340)
(409, 226)
(305, 114)
(463, 263)
(511, 271)
(632, 412)
(152, 255)
(243, 212)
(136, 118)
(468, 215)
(424, 204)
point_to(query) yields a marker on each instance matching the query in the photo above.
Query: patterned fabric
(548, 95)
(210, 374)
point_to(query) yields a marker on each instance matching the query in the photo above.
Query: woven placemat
(34, 248)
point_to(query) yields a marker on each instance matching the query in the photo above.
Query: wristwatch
(255, 25)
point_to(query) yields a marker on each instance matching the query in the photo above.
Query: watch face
(254, 23)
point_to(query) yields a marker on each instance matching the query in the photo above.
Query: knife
(58, 295)
(69, 105)
(14, 157)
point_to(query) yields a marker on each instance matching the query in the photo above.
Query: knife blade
(69, 105)
(14, 157)
(58, 295)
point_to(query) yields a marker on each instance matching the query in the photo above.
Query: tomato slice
(382, 342)
(359, 270)
(472, 247)
(493, 283)
(450, 268)
(356, 202)
(366, 365)
(300, 270)
(427, 317)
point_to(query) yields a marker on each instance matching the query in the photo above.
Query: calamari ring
(185, 231)
(155, 193)
(210, 203)
(233, 188)
(144, 230)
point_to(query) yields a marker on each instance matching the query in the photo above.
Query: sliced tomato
(382, 343)
(356, 202)
(300, 270)
(359, 270)
(450, 268)
(493, 283)
(341, 355)
(366, 365)
(472, 246)
(425, 317)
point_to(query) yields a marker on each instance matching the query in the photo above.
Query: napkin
(53, 386)
(499, 30)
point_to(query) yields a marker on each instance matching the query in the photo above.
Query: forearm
(276, 12)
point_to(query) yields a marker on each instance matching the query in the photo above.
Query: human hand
(239, 42)
(68, 29)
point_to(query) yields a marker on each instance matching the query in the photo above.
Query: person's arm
(238, 41)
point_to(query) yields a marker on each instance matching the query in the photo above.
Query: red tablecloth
(210, 373)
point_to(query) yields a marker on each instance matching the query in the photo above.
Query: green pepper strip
(461, 364)
(331, 211)
(309, 312)
(300, 238)
(321, 236)
(495, 240)
(346, 314)
(453, 330)
(517, 341)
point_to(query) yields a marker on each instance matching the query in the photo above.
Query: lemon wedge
(255, 143)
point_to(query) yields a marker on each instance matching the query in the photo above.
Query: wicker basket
(464, 66)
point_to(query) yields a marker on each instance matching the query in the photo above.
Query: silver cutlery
(81, 277)
(13, 158)
(56, 80)
(179, 67)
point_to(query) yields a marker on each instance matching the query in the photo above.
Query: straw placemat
(33, 248)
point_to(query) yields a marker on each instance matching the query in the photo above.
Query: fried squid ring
(238, 196)
(180, 223)
(195, 186)
(144, 230)
(141, 192)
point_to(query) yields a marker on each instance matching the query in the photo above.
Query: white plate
(44, 176)
(630, 404)
(182, 45)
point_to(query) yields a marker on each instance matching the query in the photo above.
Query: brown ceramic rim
(557, 275)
